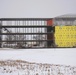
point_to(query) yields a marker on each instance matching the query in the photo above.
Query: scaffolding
(26, 33)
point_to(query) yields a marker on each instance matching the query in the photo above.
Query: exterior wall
(62, 21)
(51, 35)
(50, 22)
(65, 36)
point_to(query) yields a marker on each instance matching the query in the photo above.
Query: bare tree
(18, 39)
(40, 39)
(9, 37)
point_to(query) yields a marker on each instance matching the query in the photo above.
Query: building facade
(65, 30)
(38, 32)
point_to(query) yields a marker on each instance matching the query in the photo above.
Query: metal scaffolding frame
(25, 33)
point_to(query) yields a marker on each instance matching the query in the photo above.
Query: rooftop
(67, 16)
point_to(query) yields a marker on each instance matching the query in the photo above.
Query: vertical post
(45, 22)
(0, 34)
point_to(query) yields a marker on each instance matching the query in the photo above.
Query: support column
(0, 34)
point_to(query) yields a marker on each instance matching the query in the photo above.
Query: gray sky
(36, 8)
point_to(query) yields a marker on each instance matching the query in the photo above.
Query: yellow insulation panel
(65, 36)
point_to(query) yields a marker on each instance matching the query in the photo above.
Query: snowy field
(64, 59)
(66, 56)
(18, 67)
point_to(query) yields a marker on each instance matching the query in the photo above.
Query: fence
(26, 33)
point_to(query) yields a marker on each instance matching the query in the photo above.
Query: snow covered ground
(18, 67)
(66, 56)
(57, 56)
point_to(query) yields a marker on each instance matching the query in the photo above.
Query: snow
(18, 67)
(54, 61)
(62, 56)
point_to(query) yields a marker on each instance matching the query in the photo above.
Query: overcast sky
(36, 8)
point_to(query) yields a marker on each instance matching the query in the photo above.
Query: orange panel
(50, 22)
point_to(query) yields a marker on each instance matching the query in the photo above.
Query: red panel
(50, 22)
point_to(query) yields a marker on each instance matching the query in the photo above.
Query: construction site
(57, 32)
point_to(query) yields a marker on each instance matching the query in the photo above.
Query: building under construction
(65, 30)
(55, 32)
